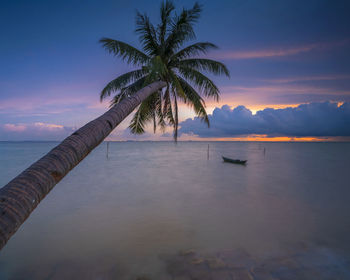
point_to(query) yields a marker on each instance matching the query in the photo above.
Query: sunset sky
(290, 56)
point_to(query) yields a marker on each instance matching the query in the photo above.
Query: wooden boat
(237, 161)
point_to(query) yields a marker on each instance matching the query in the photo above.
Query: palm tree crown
(163, 59)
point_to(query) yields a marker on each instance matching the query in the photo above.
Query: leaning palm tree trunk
(20, 196)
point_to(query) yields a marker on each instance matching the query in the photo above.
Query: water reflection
(130, 215)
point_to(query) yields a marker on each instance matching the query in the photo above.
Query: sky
(289, 63)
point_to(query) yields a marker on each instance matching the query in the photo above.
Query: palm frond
(137, 124)
(144, 114)
(182, 29)
(201, 81)
(129, 90)
(120, 82)
(124, 51)
(194, 13)
(194, 99)
(176, 117)
(167, 107)
(208, 65)
(193, 50)
(159, 111)
(176, 85)
(147, 34)
(165, 10)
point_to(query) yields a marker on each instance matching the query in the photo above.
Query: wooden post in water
(208, 153)
(107, 148)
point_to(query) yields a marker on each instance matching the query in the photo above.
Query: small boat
(237, 161)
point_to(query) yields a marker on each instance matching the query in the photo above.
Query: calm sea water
(119, 216)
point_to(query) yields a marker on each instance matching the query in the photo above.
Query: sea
(165, 210)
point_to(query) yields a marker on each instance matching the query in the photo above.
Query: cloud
(277, 51)
(52, 105)
(34, 131)
(48, 126)
(313, 119)
(14, 127)
(264, 53)
(307, 79)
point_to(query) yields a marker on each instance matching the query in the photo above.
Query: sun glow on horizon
(267, 138)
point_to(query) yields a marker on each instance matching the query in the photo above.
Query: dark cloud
(313, 119)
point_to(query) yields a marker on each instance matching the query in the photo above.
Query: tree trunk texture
(21, 195)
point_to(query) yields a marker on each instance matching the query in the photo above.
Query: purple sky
(279, 53)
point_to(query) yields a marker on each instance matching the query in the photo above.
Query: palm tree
(163, 65)
(162, 59)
